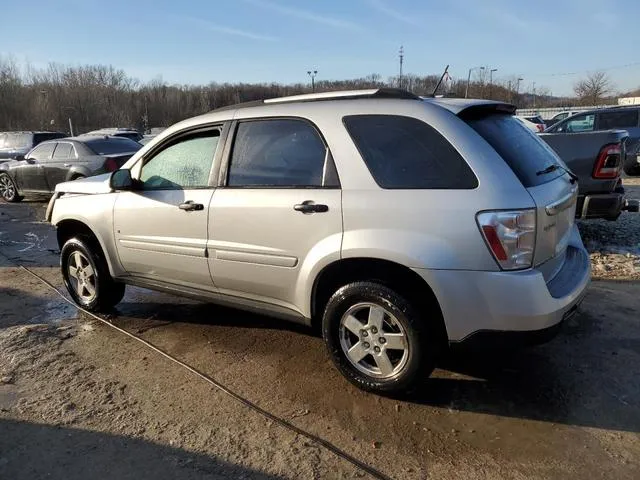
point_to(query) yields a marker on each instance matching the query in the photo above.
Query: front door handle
(308, 206)
(190, 206)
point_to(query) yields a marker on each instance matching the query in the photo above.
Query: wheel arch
(70, 227)
(394, 275)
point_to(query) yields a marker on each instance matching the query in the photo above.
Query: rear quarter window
(406, 153)
(518, 146)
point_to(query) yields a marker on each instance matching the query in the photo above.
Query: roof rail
(396, 93)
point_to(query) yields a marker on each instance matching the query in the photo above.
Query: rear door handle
(66, 165)
(308, 206)
(190, 206)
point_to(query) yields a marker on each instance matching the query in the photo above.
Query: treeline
(96, 96)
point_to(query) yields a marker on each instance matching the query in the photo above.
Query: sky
(553, 43)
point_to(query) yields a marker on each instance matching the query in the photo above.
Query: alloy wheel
(7, 189)
(374, 341)
(82, 276)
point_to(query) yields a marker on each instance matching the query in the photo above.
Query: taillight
(510, 235)
(609, 163)
(540, 127)
(111, 165)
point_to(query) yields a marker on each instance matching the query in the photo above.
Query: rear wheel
(86, 276)
(377, 338)
(8, 189)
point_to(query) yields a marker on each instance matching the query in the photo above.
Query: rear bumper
(519, 306)
(601, 205)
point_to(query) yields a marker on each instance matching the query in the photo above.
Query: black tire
(107, 292)
(8, 189)
(423, 349)
(632, 171)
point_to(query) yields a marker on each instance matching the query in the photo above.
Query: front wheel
(8, 189)
(377, 338)
(86, 276)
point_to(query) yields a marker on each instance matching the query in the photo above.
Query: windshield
(521, 149)
(110, 146)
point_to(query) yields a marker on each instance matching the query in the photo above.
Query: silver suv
(397, 225)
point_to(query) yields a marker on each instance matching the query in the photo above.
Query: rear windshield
(522, 149)
(110, 146)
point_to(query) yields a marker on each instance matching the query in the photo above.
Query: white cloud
(229, 30)
(306, 15)
(387, 9)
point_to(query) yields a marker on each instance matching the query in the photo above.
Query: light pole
(518, 86)
(491, 82)
(466, 92)
(312, 74)
(534, 94)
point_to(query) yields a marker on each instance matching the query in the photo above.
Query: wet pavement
(570, 408)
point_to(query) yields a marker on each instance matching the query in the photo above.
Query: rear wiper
(555, 166)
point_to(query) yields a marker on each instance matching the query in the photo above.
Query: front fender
(96, 213)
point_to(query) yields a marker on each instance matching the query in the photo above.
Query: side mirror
(121, 180)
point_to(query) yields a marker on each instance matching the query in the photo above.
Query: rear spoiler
(482, 110)
(463, 107)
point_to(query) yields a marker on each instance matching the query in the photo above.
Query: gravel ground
(615, 246)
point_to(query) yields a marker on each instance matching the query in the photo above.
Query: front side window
(618, 119)
(42, 152)
(406, 153)
(63, 151)
(577, 123)
(278, 153)
(183, 164)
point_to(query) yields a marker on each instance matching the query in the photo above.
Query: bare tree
(592, 89)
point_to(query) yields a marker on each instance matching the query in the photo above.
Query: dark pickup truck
(597, 159)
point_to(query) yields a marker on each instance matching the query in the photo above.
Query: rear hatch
(532, 160)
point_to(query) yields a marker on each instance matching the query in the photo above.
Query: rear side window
(63, 151)
(519, 147)
(279, 153)
(617, 119)
(406, 153)
(112, 146)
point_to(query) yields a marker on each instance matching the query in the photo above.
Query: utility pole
(518, 86)
(401, 55)
(491, 82)
(466, 91)
(312, 74)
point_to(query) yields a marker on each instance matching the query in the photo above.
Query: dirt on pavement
(80, 400)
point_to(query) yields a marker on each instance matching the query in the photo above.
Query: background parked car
(623, 118)
(534, 127)
(13, 144)
(538, 121)
(117, 132)
(55, 162)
